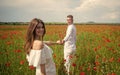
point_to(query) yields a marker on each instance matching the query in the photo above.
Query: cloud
(57, 10)
(111, 15)
(42, 4)
(99, 10)
(85, 6)
(94, 4)
(46, 9)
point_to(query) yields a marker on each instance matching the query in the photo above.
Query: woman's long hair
(30, 36)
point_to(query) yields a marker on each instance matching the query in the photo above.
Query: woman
(39, 54)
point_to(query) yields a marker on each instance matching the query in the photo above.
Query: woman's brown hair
(30, 36)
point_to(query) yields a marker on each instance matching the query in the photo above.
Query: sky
(102, 11)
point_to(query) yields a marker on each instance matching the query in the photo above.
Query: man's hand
(60, 42)
(63, 41)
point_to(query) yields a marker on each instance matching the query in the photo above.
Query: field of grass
(98, 50)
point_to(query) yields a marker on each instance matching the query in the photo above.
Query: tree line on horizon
(57, 23)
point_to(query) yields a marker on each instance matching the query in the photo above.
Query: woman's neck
(38, 38)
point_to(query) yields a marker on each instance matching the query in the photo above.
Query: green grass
(97, 53)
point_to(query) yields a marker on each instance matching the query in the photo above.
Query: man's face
(69, 20)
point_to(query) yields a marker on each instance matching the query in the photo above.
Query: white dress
(43, 56)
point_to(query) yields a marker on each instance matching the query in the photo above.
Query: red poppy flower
(31, 67)
(95, 49)
(111, 59)
(82, 73)
(4, 36)
(8, 43)
(73, 64)
(97, 56)
(7, 64)
(113, 74)
(22, 62)
(18, 51)
(64, 60)
(119, 60)
(107, 40)
(88, 69)
(97, 63)
(95, 68)
(119, 45)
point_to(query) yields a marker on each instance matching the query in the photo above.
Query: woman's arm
(43, 72)
(50, 43)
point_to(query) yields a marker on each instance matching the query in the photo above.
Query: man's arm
(69, 32)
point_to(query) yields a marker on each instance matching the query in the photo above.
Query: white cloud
(111, 15)
(99, 10)
(36, 4)
(56, 10)
(88, 5)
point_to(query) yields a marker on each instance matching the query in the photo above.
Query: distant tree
(91, 22)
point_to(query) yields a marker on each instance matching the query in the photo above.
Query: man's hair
(70, 16)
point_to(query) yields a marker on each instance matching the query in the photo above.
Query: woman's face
(39, 30)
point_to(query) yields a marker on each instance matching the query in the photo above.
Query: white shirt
(70, 38)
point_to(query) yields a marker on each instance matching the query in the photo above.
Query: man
(69, 42)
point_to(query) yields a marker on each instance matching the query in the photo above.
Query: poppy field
(97, 53)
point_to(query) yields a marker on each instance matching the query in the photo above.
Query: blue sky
(57, 10)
